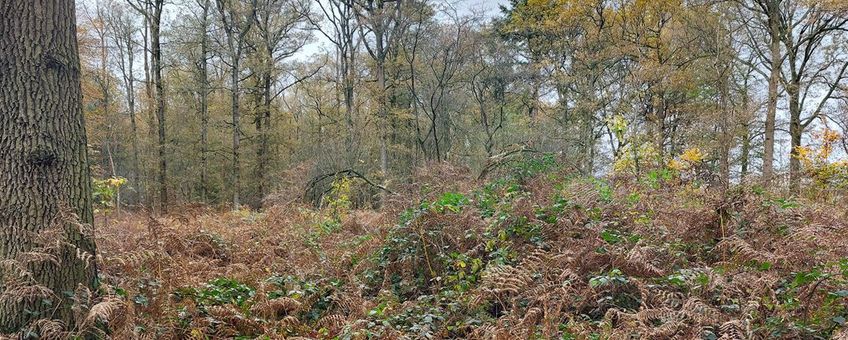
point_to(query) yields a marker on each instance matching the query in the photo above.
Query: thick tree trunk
(44, 179)
(774, 78)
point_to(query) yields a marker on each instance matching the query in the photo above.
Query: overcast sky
(489, 8)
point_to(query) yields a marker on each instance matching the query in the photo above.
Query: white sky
(488, 7)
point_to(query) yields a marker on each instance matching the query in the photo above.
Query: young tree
(489, 82)
(441, 58)
(44, 179)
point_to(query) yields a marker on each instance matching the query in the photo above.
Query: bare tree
(815, 54)
(443, 57)
(490, 78)
(380, 22)
(124, 30)
(340, 16)
(237, 19)
(152, 12)
(279, 24)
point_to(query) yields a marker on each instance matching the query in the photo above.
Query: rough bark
(44, 179)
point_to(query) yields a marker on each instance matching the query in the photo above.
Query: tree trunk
(745, 153)
(774, 78)
(148, 107)
(204, 105)
(382, 110)
(795, 133)
(44, 179)
(129, 79)
(236, 32)
(236, 167)
(160, 102)
(726, 136)
(263, 126)
(348, 80)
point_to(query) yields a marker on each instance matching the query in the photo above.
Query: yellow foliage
(618, 125)
(675, 165)
(816, 161)
(645, 156)
(339, 198)
(693, 156)
(116, 181)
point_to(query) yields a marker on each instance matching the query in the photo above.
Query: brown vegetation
(535, 253)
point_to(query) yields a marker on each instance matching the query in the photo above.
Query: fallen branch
(502, 158)
(310, 186)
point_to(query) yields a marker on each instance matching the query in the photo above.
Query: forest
(423, 169)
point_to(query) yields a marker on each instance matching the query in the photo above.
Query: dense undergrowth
(534, 252)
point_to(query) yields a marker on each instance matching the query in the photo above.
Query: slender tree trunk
(383, 109)
(44, 176)
(726, 137)
(149, 109)
(746, 138)
(130, 85)
(774, 78)
(745, 153)
(160, 102)
(263, 126)
(795, 133)
(204, 105)
(234, 97)
(236, 26)
(104, 86)
(348, 80)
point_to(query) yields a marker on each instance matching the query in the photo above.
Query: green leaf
(610, 236)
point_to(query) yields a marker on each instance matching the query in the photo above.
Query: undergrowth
(534, 252)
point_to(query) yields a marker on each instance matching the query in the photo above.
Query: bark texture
(772, 11)
(44, 177)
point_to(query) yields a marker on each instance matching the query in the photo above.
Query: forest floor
(532, 252)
